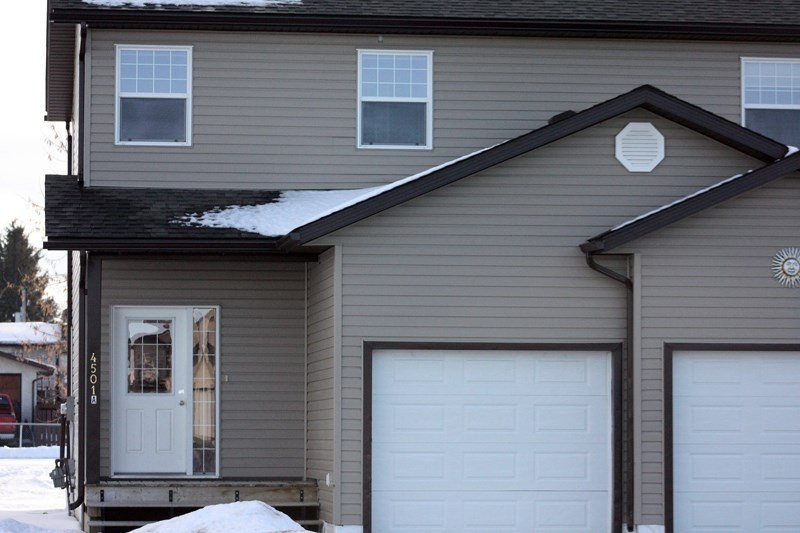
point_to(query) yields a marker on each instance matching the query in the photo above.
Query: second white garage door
(500, 441)
(736, 441)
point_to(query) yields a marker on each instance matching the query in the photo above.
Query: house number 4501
(93, 379)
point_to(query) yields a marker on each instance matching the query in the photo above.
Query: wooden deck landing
(122, 505)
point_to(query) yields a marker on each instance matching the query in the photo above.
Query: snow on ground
(28, 501)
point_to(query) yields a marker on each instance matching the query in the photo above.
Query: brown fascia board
(221, 20)
(612, 239)
(646, 97)
(163, 245)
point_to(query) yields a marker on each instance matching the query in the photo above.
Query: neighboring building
(21, 379)
(37, 350)
(411, 266)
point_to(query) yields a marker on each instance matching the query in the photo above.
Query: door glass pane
(150, 356)
(204, 390)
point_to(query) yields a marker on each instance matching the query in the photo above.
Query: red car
(8, 418)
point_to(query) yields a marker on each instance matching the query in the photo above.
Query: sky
(24, 152)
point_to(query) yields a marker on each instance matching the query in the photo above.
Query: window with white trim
(154, 95)
(395, 95)
(771, 98)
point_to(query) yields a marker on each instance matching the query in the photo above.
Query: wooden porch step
(165, 494)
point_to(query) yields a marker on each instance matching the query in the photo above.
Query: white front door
(152, 394)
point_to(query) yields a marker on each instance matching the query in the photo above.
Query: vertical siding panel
(320, 400)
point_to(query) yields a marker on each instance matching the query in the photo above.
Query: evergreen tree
(19, 273)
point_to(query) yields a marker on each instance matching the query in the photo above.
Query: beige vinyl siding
(279, 110)
(709, 279)
(320, 379)
(495, 257)
(262, 351)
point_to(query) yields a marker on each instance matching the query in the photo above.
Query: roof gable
(645, 97)
(690, 205)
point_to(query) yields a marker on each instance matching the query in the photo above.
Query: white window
(771, 98)
(154, 95)
(395, 96)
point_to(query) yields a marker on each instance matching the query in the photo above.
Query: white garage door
(736, 442)
(491, 441)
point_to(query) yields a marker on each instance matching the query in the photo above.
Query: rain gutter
(81, 97)
(627, 474)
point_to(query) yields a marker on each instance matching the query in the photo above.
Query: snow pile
(252, 516)
(39, 452)
(29, 333)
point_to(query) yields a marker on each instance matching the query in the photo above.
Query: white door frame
(180, 399)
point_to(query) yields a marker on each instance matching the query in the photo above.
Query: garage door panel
(713, 375)
(491, 441)
(736, 441)
(738, 468)
(744, 419)
(561, 466)
(490, 511)
(737, 513)
(494, 374)
(471, 418)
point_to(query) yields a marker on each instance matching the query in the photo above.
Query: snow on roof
(295, 209)
(789, 151)
(141, 3)
(29, 333)
(227, 517)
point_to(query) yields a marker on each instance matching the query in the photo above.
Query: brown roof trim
(263, 246)
(645, 97)
(441, 25)
(614, 238)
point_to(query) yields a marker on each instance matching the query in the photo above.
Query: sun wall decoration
(786, 267)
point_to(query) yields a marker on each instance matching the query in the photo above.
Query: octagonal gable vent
(640, 147)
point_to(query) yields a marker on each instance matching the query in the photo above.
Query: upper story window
(771, 98)
(154, 95)
(395, 97)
